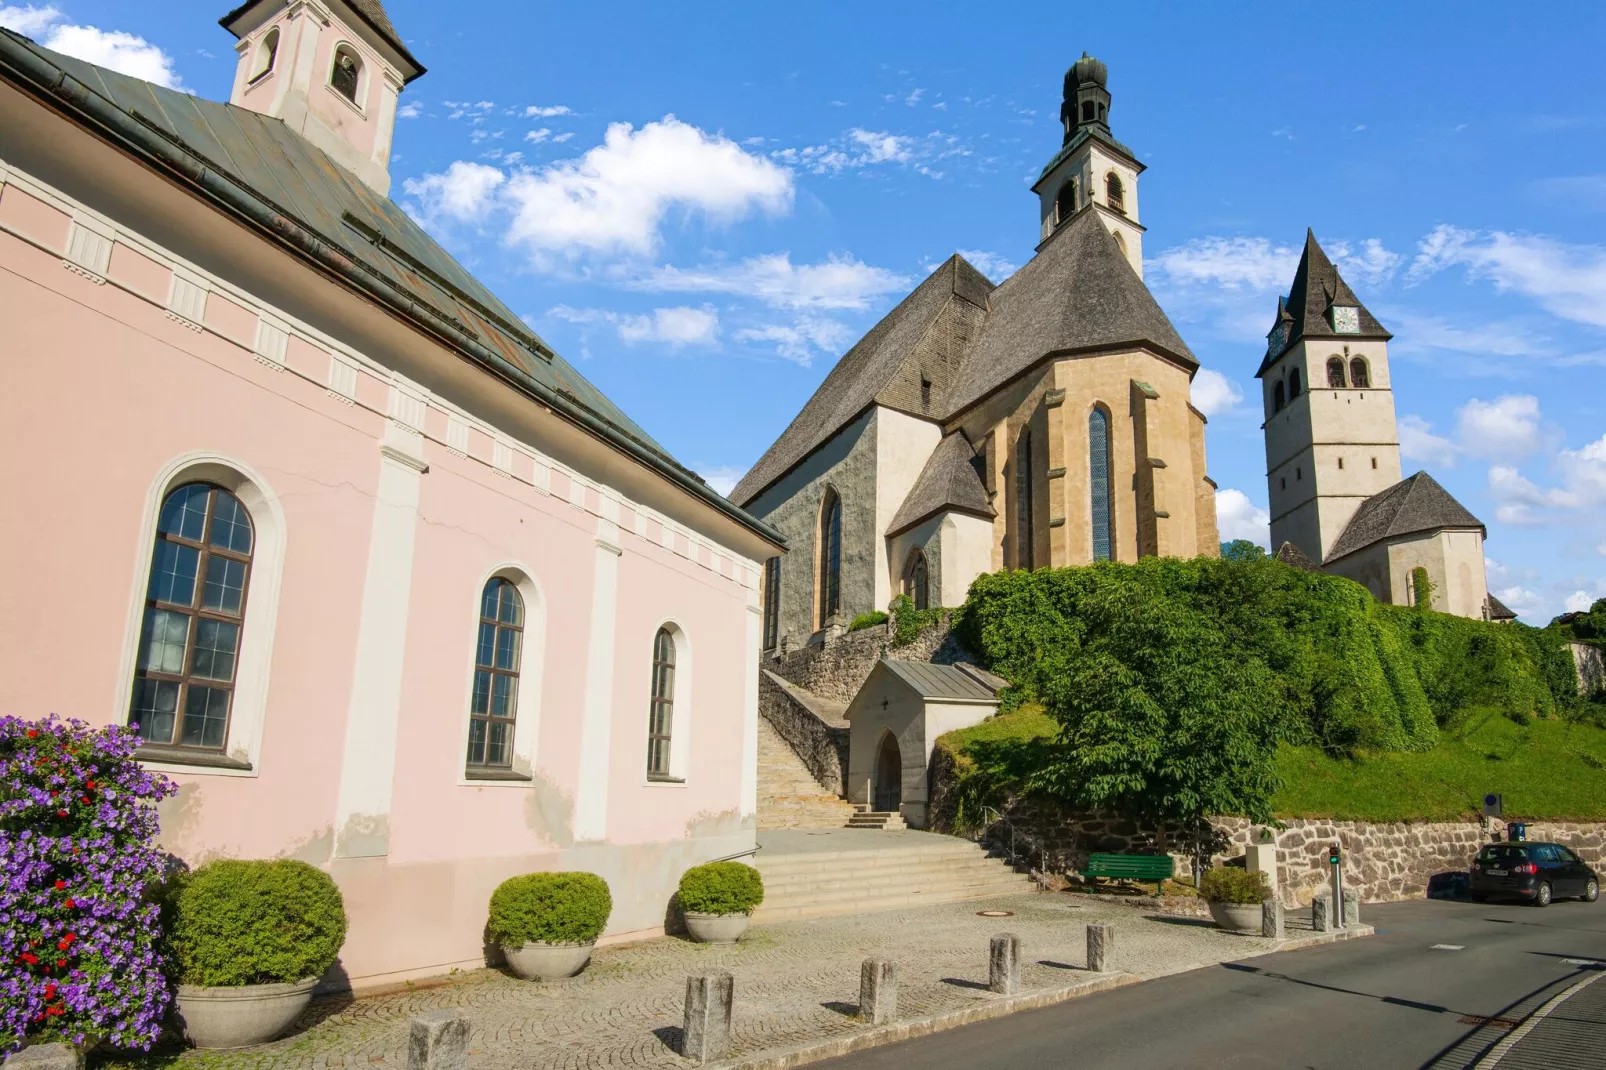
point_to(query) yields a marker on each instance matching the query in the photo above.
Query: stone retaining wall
(1591, 668)
(837, 668)
(822, 747)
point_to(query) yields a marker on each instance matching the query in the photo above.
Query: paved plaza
(796, 983)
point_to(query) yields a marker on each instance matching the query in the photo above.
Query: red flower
(30, 958)
(61, 963)
(50, 990)
(90, 784)
(83, 798)
(63, 813)
(55, 1011)
(69, 904)
(32, 733)
(60, 885)
(54, 794)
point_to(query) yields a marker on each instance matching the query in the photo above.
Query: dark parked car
(1537, 872)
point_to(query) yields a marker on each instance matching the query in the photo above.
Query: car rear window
(1499, 852)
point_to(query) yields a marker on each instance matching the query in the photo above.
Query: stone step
(889, 857)
(913, 875)
(789, 796)
(783, 910)
(876, 819)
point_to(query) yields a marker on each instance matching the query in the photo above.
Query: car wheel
(1542, 896)
(1592, 890)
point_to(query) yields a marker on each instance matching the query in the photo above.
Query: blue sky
(703, 206)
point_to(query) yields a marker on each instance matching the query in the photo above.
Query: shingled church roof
(1293, 556)
(1498, 610)
(949, 482)
(1416, 504)
(370, 11)
(1317, 288)
(1077, 295)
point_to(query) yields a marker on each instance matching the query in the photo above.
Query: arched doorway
(886, 792)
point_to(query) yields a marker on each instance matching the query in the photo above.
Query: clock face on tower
(1276, 340)
(1346, 319)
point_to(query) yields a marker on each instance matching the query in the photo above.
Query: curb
(1503, 1048)
(878, 1036)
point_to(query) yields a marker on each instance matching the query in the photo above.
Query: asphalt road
(1391, 1000)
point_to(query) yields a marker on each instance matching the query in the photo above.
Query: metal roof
(945, 683)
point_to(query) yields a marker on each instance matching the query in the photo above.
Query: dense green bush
(236, 922)
(867, 620)
(721, 888)
(549, 908)
(1232, 884)
(909, 622)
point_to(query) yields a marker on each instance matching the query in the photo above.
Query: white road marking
(1584, 962)
(1448, 947)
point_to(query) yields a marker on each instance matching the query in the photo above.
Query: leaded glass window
(498, 649)
(916, 585)
(772, 602)
(189, 642)
(830, 557)
(1023, 499)
(661, 716)
(1098, 452)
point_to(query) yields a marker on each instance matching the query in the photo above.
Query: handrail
(753, 850)
(1015, 836)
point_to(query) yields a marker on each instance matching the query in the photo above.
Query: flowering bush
(78, 936)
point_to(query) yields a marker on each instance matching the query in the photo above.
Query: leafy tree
(1242, 550)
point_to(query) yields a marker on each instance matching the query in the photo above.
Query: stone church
(1333, 458)
(1040, 421)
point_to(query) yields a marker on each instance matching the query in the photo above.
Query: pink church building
(384, 582)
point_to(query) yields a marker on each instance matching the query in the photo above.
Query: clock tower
(1092, 172)
(1331, 437)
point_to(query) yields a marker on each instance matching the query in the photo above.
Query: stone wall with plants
(837, 668)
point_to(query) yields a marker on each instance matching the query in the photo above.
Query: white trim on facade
(596, 723)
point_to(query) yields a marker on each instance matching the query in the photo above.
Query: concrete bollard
(1003, 964)
(46, 1057)
(1321, 914)
(707, 1033)
(438, 1040)
(1352, 907)
(878, 991)
(1271, 919)
(1100, 946)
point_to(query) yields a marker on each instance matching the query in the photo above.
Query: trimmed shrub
(549, 908)
(254, 922)
(867, 620)
(1230, 884)
(721, 888)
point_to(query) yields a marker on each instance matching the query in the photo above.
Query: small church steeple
(1086, 98)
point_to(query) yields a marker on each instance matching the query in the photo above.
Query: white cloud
(536, 111)
(1415, 331)
(535, 137)
(561, 138)
(465, 192)
(112, 49)
(411, 110)
(1503, 429)
(801, 339)
(1519, 496)
(1214, 393)
(1233, 263)
(914, 98)
(723, 478)
(1369, 262)
(1601, 549)
(1522, 601)
(1419, 443)
(995, 267)
(1579, 602)
(1584, 472)
(1566, 280)
(838, 282)
(674, 327)
(1239, 518)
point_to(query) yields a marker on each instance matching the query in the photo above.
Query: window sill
(167, 755)
(347, 101)
(667, 781)
(500, 775)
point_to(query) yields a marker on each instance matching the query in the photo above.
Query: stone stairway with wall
(788, 794)
(855, 872)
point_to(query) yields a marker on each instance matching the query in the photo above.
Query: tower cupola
(1087, 98)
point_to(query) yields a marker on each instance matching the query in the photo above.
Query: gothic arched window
(1065, 203)
(1335, 371)
(772, 602)
(1114, 192)
(1277, 399)
(661, 716)
(1098, 456)
(189, 643)
(915, 581)
(1359, 374)
(1293, 384)
(497, 650)
(346, 72)
(1023, 499)
(829, 599)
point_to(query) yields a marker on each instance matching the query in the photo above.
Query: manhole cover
(1499, 1023)
(995, 913)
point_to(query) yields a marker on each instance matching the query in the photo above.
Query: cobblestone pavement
(795, 982)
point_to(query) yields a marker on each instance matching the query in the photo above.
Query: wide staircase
(788, 795)
(811, 875)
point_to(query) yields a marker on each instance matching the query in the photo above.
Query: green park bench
(1129, 867)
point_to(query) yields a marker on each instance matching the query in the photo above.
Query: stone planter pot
(716, 928)
(548, 962)
(1237, 917)
(239, 1016)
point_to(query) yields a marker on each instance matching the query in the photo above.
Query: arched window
(267, 53)
(772, 602)
(1277, 399)
(830, 551)
(661, 716)
(1293, 383)
(1023, 499)
(1335, 371)
(346, 73)
(189, 643)
(496, 675)
(1359, 374)
(1065, 203)
(1098, 456)
(915, 584)
(1114, 192)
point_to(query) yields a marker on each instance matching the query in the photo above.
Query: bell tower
(1331, 437)
(331, 69)
(1092, 171)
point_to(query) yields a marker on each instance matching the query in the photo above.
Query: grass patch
(992, 761)
(1546, 769)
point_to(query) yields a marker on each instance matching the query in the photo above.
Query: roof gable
(932, 683)
(371, 12)
(1317, 288)
(1078, 293)
(1411, 506)
(949, 481)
